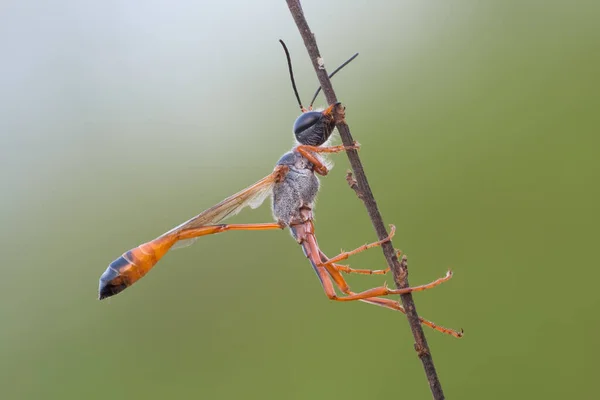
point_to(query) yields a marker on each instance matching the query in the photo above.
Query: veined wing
(252, 196)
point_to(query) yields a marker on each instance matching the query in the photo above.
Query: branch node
(404, 263)
(354, 185)
(421, 350)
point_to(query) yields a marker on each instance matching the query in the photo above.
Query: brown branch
(362, 188)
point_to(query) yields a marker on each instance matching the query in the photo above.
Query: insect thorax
(297, 190)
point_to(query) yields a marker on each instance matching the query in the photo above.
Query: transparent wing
(252, 196)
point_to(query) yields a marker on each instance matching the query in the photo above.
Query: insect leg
(211, 229)
(313, 253)
(346, 254)
(307, 152)
(386, 303)
(385, 291)
(348, 270)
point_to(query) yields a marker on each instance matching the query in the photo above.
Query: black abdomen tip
(107, 289)
(108, 285)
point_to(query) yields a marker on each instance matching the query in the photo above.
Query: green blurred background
(479, 126)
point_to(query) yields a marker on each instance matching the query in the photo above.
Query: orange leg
(326, 272)
(344, 255)
(394, 305)
(311, 249)
(348, 270)
(326, 149)
(211, 229)
(385, 291)
(386, 303)
(307, 152)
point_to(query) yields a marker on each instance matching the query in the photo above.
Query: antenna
(289, 60)
(332, 74)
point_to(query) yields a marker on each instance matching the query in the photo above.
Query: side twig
(354, 185)
(363, 190)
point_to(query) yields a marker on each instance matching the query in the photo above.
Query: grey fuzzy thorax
(296, 191)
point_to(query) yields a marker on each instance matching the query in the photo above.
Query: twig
(362, 188)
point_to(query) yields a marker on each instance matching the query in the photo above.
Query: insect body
(293, 186)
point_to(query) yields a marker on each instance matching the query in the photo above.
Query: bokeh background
(479, 125)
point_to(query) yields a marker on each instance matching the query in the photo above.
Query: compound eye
(306, 120)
